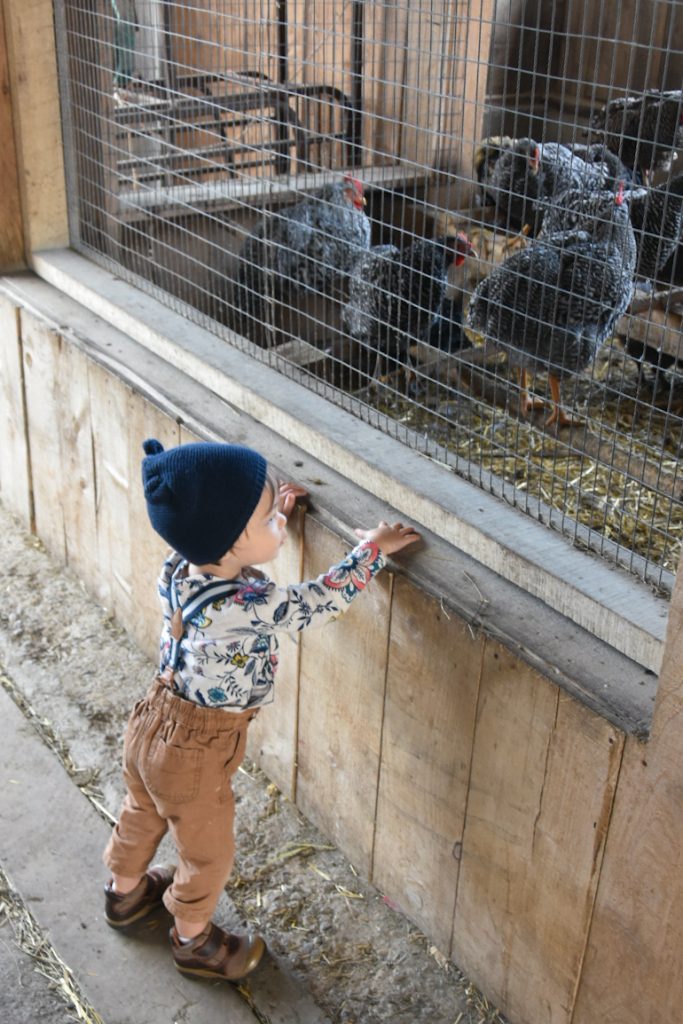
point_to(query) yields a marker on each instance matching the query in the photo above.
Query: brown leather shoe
(121, 909)
(217, 954)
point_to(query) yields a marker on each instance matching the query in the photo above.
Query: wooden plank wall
(423, 89)
(557, 62)
(532, 842)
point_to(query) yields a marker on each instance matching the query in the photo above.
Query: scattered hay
(616, 472)
(301, 850)
(32, 940)
(83, 778)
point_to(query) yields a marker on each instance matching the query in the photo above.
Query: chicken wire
(219, 155)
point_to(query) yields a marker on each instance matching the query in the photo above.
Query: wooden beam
(37, 120)
(11, 233)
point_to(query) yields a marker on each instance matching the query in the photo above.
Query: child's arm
(390, 539)
(317, 602)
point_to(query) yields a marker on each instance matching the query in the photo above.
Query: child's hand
(287, 496)
(390, 538)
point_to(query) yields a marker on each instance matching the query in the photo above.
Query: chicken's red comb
(356, 182)
(619, 197)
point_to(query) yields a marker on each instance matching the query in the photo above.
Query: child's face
(264, 534)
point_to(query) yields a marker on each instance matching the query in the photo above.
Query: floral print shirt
(227, 657)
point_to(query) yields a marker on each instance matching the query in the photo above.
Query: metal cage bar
(220, 157)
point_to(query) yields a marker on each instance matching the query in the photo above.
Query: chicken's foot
(527, 402)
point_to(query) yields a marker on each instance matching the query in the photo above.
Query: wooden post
(11, 235)
(37, 121)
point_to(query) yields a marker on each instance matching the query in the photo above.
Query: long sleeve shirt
(227, 657)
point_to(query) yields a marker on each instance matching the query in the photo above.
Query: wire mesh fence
(461, 220)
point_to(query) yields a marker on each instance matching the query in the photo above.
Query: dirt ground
(361, 960)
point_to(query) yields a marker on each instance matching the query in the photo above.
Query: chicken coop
(428, 257)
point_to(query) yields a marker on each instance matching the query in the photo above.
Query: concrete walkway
(51, 840)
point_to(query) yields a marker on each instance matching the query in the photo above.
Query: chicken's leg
(558, 414)
(527, 402)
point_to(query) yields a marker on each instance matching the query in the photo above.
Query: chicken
(528, 174)
(307, 248)
(486, 156)
(551, 305)
(657, 219)
(656, 215)
(445, 331)
(644, 130)
(395, 294)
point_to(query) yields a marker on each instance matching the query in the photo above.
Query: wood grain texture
(110, 407)
(148, 550)
(30, 34)
(632, 968)
(342, 679)
(42, 347)
(432, 685)
(273, 734)
(77, 469)
(544, 771)
(465, 80)
(15, 484)
(11, 228)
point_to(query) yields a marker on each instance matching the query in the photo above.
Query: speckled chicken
(528, 174)
(644, 130)
(656, 215)
(657, 219)
(395, 294)
(310, 247)
(551, 305)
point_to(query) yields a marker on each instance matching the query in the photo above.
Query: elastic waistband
(194, 715)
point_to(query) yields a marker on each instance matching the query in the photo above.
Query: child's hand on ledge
(390, 539)
(287, 496)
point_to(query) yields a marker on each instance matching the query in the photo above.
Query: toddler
(222, 512)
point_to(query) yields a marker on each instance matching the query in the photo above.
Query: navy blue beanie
(201, 496)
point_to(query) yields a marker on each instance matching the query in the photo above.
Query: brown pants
(178, 763)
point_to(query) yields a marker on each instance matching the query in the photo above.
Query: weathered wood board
(544, 770)
(148, 548)
(432, 685)
(632, 970)
(42, 366)
(58, 406)
(11, 227)
(76, 466)
(111, 399)
(273, 734)
(15, 484)
(29, 28)
(342, 678)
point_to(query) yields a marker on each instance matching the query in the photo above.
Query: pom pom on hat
(201, 496)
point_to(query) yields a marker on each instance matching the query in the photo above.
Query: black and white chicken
(395, 294)
(307, 248)
(644, 130)
(527, 174)
(657, 218)
(656, 215)
(551, 305)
